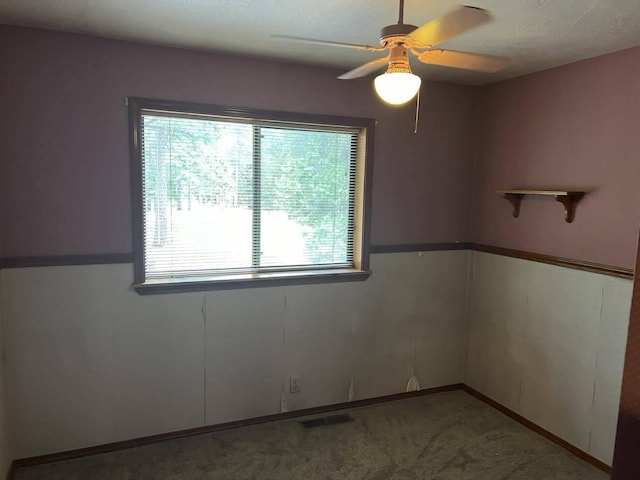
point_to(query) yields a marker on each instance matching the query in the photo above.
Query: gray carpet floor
(439, 437)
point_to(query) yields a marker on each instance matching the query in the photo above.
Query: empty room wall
(91, 362)
(544, 340)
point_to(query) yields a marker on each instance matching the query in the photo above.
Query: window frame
(364, 170)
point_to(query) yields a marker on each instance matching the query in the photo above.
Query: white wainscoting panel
(90, 361)
(6, 440)
(548, 343)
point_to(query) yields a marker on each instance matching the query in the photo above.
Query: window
(229, 198)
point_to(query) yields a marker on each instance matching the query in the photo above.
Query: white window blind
(224, 195)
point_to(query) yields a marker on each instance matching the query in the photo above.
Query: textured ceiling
(535, 34)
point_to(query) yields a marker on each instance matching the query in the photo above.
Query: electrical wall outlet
(294, 384)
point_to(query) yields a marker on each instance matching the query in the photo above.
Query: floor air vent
(330, 420)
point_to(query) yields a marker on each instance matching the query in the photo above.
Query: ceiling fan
(398, 84)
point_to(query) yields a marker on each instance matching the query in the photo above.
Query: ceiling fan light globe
(397, 88)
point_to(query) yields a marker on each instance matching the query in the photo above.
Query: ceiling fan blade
(366, 69)
(468, 61)
(328, 43)
(450, 25)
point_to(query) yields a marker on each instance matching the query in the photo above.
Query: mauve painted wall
(64, 161)
(577, 126)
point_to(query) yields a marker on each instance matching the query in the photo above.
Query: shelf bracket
(569, 201)
(515, 199)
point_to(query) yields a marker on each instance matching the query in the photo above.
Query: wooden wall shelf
(568, 198)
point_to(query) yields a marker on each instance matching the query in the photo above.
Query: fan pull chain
(415, 130)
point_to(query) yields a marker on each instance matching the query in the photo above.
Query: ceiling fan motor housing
(395, 30)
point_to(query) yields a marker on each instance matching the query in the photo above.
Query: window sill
(227, 282)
